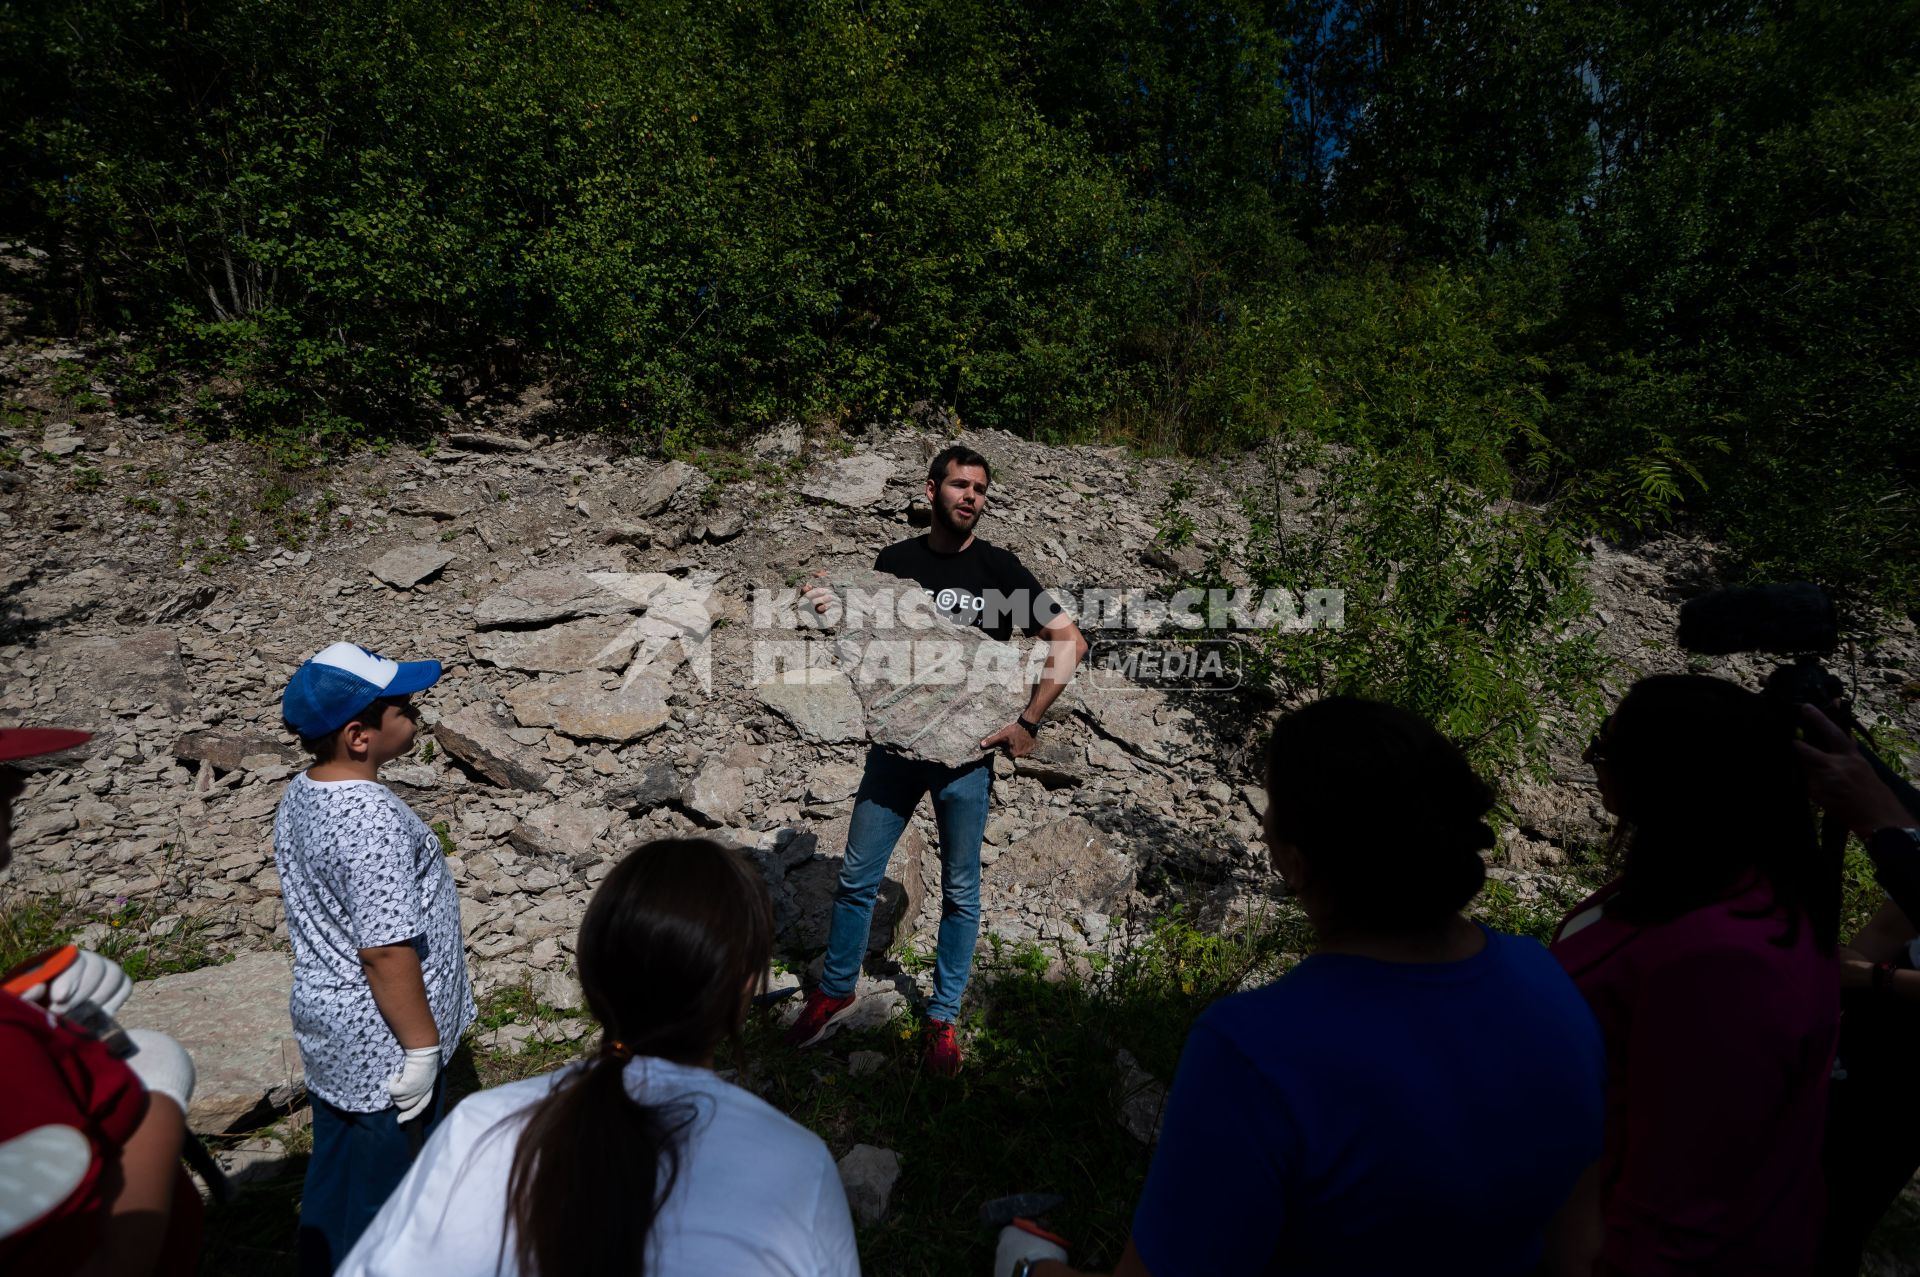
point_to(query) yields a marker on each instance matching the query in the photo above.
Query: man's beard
(943, 515)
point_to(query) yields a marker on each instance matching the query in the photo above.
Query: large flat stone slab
(584, 707)
(561, 829)
(593, 643)
(409, 565)
(478, 737)
(824, 707)
(233, 1021)
(143, 666)
(858, 481)
(928, 688)
(548, 594)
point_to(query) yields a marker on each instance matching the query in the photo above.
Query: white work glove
(1016, 1244)
(163, 1065)
(39, 1169)
(412, 1087)
(91, 979)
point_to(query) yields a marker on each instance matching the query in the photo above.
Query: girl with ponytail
(639, 1160)
(1710, 962)
(1420, 1094)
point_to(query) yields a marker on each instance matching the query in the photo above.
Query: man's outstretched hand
(1841, 780)
(820, 594)
(1015, 739)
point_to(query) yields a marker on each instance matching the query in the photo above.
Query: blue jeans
(889, 791)
(358, 1160)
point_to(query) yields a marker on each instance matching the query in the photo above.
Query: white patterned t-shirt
(358, 869)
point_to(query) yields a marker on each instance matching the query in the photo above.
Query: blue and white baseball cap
(336, 684)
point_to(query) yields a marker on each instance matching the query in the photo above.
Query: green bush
(1459, 613)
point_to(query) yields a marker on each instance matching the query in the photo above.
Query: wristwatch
(1033, 730)
(1894, 840)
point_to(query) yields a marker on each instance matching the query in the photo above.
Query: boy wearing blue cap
(380, 990)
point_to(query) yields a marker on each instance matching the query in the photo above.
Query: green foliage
(1457, 612)
(1645, 263)
(136, 940)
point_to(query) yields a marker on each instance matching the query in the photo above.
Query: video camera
(1797, 619)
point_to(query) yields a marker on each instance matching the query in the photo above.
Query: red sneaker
(817, 1017)
(940, 1055)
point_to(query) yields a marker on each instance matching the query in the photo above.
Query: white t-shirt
(359, 869)
(757, 1192)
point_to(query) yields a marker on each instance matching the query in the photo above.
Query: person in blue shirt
(1421, 1094)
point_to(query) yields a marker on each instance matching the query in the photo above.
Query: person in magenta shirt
(1710, 965)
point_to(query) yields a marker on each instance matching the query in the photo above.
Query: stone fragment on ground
(144, 666)
(822, 705)
(584, 707)
(478, 737)
(232, 1020)
(227, 750)
(657, 492)
(592, 643)
(861, 1063)
(803, 897)
(1140, 1099)
(1068, 860)
(656, 786)
(857, 481)
(716, 794)
(541, 595)
(487, 441)
(561, 829)
(869, 1174)
(410, 565)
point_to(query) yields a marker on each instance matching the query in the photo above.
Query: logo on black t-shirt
(951, 600)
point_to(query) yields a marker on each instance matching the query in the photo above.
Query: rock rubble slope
(607, 678)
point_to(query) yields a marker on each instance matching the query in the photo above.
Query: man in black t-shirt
(971, 583)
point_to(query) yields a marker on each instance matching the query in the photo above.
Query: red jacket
(53, 1074)
(1719, 1045)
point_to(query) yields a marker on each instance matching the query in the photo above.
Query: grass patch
(133, 936)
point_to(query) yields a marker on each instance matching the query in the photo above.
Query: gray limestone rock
(232, 1020)
(1058, 759)
(822, 708)
(584, 707)
(716, 794)
(433, 503)
(725, 525)
(478, 737)
(657, 786)
(226, 751)
(486, 441)
(803, 899)
(928, 688)
(857, 481)
(548, 594)
(1068, 857)
(869, 1174)
(1140, 1098)
(561, 829)
(1141, 720)
(660, 488)
(143, 666)
(409, 565)
(833, 782)
(593, 643)
(861, 1063)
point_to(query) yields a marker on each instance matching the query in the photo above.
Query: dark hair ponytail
(672, 942)
(1386, 812)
